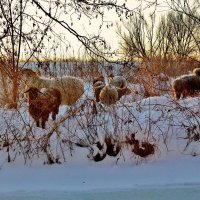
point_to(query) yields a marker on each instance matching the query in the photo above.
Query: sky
(84, 26)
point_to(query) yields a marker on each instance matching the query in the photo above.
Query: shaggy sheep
(108, 95)
(196, 71)
(185, 85)
(42, 103)
(71, 88)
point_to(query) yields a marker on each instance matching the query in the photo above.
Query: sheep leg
(38, 123)
(44, 119)
(53, 116)
(177, 95)
(185, 93)
(43, 124)
(55, 112)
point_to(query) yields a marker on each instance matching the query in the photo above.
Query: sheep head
(27, 73)
(33, 92)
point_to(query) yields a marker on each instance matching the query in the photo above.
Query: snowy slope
(166, 123)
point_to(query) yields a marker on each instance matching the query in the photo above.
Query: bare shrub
(5, 83)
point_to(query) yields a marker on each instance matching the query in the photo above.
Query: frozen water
(183, 192)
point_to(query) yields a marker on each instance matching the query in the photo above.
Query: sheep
(185, 85)
(108, 95)
(196, 72)
(42, 103)
(121, 85)
(71, 88)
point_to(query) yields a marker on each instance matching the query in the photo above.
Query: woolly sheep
(42, 103)
(108, 95)
(185, 85)
(71, 88)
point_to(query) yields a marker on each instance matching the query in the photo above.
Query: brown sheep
(108, 95)
(42, 103)
(185, 85)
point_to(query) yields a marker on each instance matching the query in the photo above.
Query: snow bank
(172, 126)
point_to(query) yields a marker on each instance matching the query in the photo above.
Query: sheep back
(71, 88)
(26, 73)
(108, 95)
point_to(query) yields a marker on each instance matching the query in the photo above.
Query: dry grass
(5, 81)
(155, 76)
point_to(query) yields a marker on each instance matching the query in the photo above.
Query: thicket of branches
(176, 35)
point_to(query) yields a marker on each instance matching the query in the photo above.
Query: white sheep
(71, 88)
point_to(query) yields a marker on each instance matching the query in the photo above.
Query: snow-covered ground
(171, 173)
